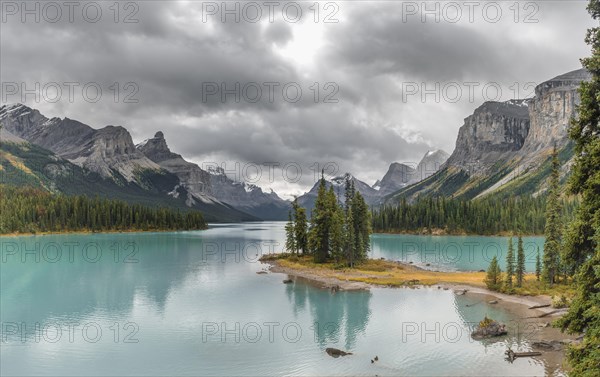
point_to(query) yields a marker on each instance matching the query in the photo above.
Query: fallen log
(550, 313)
(512, 355)
(539, 306)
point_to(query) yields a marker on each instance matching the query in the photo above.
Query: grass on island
(396, 274)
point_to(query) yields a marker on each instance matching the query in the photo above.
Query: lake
(191, 303)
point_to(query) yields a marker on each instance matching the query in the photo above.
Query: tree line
(31, 210)
(336, 231)
(488, 216)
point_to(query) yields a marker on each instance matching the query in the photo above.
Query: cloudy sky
(350, 86)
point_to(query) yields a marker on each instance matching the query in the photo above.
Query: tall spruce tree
(300, 227)
(510, 265)
(318, 238)
(290, 235)
(582, 249)
(552, 232)
(520, 272)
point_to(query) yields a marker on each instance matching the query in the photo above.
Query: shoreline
(536, 323)
(441, 233)
(89, 232)
(348, 285)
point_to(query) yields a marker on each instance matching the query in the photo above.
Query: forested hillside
(491, 216)
(31, 210)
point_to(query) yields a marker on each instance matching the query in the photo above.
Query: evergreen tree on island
(337, 232)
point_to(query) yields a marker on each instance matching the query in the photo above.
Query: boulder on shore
(488, 328)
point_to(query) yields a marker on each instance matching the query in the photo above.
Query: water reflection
(333, 314)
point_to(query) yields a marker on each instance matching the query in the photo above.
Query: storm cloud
(380, 81)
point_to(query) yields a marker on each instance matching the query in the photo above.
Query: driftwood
(539, 306)
(546, 314)
(550, 313)
(512, 355)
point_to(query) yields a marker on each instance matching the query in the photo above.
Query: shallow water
(191, 303)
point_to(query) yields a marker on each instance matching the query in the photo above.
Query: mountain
(108, 151)
(215, 185)
(63, 155)
(503, 148)
(401, 175)
(339, 186)
(397, 176)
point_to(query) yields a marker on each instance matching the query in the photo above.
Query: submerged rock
(334, 352)
(287, 281)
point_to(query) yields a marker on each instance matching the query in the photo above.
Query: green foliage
(538, 265)
(582, 247)
(320, 227)
(290, 235)
(489, 216)
(552, 231)
(30, 210)
(336, 232)
(300, 227)
(520, 271)
(493, 279)
(510, 265)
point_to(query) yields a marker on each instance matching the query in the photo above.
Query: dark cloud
(171, 54)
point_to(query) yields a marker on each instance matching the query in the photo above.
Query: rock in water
(334, 352)
(287, 281)
(488, 328)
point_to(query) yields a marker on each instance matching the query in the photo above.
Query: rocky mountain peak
(495, 130)
(156, 148)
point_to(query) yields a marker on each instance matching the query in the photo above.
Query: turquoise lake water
(191, 303)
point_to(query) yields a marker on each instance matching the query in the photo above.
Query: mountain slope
(215, 185)
(91, 162)
(503, 148)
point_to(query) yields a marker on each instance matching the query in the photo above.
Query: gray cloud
(170, 55)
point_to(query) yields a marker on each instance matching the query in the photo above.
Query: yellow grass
(16, 162)
(388, 273)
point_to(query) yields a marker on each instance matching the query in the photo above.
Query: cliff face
(495, 131)
(551, 110)
(502, 146)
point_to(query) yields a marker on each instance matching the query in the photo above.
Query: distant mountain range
(502, 149)
(398, 176)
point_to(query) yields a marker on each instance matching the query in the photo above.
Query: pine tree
(318, 238)
(493, 279)
(582, 249)
(538, 265)
(290, 235)
(520, 262)
(510, 265)
(300, 227)
(551, 266)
